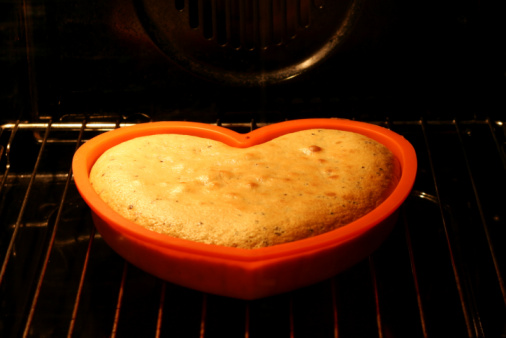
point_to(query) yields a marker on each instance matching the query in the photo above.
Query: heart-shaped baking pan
(235, 272)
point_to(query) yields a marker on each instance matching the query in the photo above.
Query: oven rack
(440, 273)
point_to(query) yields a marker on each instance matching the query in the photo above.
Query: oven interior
(433, 73)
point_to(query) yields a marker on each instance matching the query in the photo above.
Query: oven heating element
(440, 273)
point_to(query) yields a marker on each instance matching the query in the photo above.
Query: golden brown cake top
(295, 186)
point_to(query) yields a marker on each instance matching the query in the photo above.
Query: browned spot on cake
(315, 149)
(330, 194)
(251, 185)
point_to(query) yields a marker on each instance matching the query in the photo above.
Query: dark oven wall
(402, 59)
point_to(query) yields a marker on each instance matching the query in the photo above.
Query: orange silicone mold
(243, 273)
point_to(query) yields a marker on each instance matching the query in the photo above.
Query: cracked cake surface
(294, 186)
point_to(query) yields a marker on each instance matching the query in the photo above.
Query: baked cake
(295, 186)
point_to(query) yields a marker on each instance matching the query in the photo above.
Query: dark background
(405, 59)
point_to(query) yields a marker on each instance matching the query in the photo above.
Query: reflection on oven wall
(97, 57)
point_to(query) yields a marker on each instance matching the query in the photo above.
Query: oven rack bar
(459, 280)
(471, 316)
(103, 126)
(106, 126)
(52, 237)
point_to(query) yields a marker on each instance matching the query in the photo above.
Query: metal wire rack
(440, 273)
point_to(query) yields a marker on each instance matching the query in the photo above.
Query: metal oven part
(440, 273)
(249, 42)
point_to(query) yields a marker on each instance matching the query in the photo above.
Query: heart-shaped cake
(292, 187)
